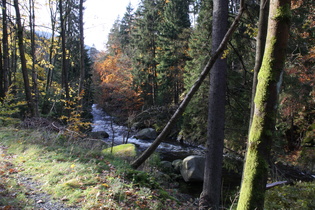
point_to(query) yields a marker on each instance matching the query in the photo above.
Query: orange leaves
(304, 68)
(114, 73)
(296, 4)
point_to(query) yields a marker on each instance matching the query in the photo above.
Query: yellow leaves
(105, 185)
(225, 53)
(252, 31)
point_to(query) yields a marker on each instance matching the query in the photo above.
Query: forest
(257, 102)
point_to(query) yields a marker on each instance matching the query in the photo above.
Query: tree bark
(261, 133)
(53, 18)
(2, 93)
(210, 196)
(82, 69)
(34, 73)
(5, 51)
(260, 49)
(64, 76)
(27, 87)
(146, 154)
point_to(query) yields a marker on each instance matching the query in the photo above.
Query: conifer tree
(126, 25)
(172, 51)
(195, 116)
(144, 41)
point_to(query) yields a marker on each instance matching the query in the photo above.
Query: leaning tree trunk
(27, 87)
(146, 154)
(261, 133)
(210, 196)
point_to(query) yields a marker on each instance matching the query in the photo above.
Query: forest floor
(44, 170)
(41, 169)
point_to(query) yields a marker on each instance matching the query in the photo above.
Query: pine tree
(195, 116)
(174, 31)
(126, 25)
(144, 41)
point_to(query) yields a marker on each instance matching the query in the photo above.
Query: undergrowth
(74, 172)
(77, 173)
(298, 196)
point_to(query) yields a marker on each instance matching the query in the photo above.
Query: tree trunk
(260, 49)
(27, 87)
(210, 196)
(2, 93)
(52, 44)
(146, 154)
(82, 69)
(34, 73)
(261, 133)
(64, 76)
(5, 51)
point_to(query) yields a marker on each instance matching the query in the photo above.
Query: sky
(99, 17)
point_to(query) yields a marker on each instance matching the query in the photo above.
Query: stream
(167, 150)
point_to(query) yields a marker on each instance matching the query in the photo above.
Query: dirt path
(33, 196)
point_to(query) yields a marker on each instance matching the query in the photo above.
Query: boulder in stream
(146, 134)
(192, 169)
(99, 135)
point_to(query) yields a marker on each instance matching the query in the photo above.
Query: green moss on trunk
(261, 132)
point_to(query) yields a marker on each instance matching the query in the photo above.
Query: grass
(77, 173)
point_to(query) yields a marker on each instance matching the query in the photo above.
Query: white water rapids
(103, 122)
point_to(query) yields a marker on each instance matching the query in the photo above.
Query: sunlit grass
(78, 173)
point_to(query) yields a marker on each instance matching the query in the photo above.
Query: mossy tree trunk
(261, 132)
(260, 48)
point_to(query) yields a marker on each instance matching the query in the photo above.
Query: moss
(123, 150)
(283, 13)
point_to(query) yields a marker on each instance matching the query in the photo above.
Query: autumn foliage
(112, 73)
(297, 102)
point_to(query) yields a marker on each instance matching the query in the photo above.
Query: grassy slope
(78, 173)
(74, 172)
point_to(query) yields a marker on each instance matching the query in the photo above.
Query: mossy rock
(123, 150)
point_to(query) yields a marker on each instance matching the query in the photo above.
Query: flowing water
(117, 133)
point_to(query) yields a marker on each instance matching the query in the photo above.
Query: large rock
(99, 135)
(123, 150)
(192, 169)
(146, 134)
